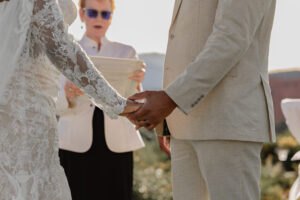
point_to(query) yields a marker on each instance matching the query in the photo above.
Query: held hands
(158, 105)
(131, 106)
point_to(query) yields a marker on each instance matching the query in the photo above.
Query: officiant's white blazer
(216, 70)
(75, 124)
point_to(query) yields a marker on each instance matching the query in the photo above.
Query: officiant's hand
(139, 76)
(157, 107)
(72, 91)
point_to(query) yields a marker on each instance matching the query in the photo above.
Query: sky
(144, 24)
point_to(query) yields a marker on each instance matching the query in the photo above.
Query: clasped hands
(156, 107)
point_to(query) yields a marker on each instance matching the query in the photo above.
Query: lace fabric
(29, 164)
(69, 58)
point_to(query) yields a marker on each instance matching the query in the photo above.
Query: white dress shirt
(75, 124)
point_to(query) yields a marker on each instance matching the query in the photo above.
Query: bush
(152, 171)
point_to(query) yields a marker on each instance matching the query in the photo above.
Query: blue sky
(144, 24)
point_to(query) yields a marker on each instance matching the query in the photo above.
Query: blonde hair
(82, 4)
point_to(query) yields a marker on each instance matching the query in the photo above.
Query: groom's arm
(235, 25)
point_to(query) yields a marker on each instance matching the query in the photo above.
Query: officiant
(97, 168)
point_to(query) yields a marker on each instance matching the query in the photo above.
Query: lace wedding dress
(29, 164)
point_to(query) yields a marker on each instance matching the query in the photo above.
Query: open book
(116, 72)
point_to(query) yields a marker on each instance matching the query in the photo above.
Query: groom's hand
(164, 143)
(157, 106)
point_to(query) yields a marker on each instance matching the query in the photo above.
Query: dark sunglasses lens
(106, 15)
(92, 13)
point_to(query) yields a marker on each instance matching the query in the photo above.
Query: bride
(33, 37)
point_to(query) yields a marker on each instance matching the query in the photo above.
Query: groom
(216, 99)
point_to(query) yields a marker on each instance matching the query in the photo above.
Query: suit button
(172, 36)
(91, 105)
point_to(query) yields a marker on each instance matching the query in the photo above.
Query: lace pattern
(69, 58)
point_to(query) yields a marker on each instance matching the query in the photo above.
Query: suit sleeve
(235, 25)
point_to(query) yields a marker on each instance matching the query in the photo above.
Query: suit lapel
(176, 9)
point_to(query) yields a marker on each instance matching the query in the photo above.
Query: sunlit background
(144, 24)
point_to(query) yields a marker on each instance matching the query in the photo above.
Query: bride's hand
(131, 106)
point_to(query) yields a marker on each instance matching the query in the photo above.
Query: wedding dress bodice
(29, 164)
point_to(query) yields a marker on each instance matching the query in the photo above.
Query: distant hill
(284, 84)
(154, 70)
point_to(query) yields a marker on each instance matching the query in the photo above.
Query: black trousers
(98, 174)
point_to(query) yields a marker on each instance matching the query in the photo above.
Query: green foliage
(277, 176)
(275, 181)
(152, 171)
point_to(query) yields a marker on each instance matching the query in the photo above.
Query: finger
(164, 144)
(76, 89)
(137, 78)
(137, 127)
(167, 151)
(134, 78)
(141, 114)
(167, 142)
(138, 87)
(138, 72)
(70, 85)
(67, 87)
(140, 75)
(150, 127)
(138, 96)
(73, 85)
(79, 93)
(132, 107)
(143, 123)
(131, 119)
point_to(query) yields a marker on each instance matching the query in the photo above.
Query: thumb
(138, 96)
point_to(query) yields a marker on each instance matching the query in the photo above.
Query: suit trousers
(215, 169)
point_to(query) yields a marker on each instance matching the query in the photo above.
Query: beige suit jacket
(216, 70)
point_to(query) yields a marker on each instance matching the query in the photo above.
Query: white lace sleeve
(49, 30)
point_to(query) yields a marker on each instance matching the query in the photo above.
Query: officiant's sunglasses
(92, 13)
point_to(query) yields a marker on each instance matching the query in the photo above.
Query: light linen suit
(216, 71)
